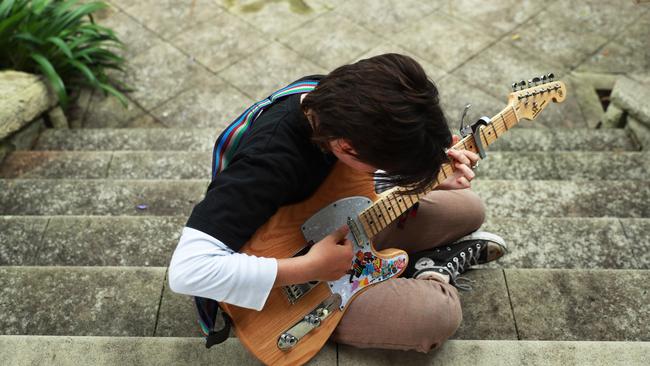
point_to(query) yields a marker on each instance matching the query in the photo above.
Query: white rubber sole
(484, 235)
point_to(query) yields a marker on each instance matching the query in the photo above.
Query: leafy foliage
(60, 40)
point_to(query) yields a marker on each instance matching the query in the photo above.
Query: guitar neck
(394, 202)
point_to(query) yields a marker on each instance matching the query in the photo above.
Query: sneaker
(452, 260)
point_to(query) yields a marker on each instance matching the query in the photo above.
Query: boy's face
(345, 153)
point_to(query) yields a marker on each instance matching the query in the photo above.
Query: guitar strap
(224, 148)
(229, 139)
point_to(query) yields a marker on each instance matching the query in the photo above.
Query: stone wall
(632, 96)
(24, 99)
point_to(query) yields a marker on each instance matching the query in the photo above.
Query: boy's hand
(331, 258)
(463, 160)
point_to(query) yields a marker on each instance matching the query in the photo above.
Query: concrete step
(145, 351)
(518, 139)
(504, 198)
(99, 197)
(528, 304)
(150, 241)
(576, 165)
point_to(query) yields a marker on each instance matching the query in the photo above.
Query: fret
(515, 112)
(440, 178)
(450, 167)
(392, 211)
(495, 130)
(376, 223)
(483, 137)
(499, 122)
(372, 223)
(366, 226)
(409, 201)
(417, 197)
(471, 147)
(379, 217)
(385, 212)
(464, 144)
(388, 208)
(504, 121)
(405, 199)
(401, 203)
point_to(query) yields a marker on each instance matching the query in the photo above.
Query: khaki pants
(409, 314)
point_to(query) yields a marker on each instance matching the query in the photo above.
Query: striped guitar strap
(224, 148)
(228, 141)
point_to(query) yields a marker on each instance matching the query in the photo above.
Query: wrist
(295, 270)
(309, 266)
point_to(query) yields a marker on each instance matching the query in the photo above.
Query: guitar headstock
(530, 98)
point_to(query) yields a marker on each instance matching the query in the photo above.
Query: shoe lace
(456, 267)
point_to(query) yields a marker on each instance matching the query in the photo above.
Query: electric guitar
(297, 320)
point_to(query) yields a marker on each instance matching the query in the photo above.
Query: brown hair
(389, 111)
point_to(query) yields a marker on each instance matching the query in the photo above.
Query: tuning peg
(550, 76)
(522, 84)
(544, 79)
(514, 86)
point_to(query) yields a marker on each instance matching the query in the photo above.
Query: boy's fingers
(458, 156)
(472, 156)
(467, 172)
(463, 156)
(464, 182)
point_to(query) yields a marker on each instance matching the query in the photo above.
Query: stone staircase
(90, 218)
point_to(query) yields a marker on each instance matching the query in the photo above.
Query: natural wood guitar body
(281, 237)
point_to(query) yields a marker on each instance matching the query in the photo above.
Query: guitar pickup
(309, 322)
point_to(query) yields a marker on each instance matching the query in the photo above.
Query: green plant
(61, 40)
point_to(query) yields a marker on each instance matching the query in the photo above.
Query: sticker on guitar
(368, 269)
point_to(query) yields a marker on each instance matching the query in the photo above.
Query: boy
(382, 114)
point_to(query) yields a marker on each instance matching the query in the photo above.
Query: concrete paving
(465, 46)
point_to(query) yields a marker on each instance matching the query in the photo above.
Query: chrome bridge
(293, 335)
(295, 292)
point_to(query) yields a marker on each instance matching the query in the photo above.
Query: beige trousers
(409, 314)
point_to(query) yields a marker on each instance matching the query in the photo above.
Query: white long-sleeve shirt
(204, 266)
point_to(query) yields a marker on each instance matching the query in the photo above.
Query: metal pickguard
(367, 268)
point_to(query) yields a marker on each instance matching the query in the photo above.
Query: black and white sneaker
(452, 260)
